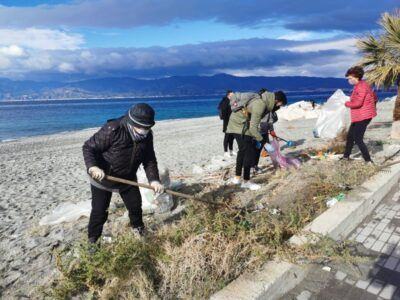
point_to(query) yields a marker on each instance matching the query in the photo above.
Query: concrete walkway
(378, 277)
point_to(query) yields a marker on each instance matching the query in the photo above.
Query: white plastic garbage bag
(151, 203)
(67, 212)
(334, 116)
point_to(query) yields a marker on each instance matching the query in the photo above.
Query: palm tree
(381, 60)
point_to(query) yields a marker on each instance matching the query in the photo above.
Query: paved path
(379, 278)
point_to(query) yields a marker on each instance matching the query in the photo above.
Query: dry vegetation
(209, 245)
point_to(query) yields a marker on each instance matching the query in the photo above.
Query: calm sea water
(30, 118)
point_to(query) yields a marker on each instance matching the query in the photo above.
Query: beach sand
(39, 173)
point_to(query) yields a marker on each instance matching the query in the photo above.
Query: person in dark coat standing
(118, 149)
(225, 111)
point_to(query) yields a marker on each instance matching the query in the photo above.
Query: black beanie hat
(280, 97)
(141, 115)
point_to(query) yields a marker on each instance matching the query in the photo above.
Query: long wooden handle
(146, 186)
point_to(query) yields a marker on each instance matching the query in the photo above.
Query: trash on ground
(151, 202)
(280, 160)
(332, 201)
(67, 212)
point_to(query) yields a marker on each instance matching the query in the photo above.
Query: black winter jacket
(113, 150)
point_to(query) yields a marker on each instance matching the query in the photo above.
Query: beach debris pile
(299, 110)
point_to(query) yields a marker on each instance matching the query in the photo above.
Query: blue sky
(146, 39)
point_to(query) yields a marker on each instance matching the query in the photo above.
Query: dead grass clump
(210, 245)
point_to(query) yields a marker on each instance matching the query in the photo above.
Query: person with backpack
(118, 149)
(248, 109)
(225, 111)
(363, 109)
(266, 129)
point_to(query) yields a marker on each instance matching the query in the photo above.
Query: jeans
(245, 155)
(228, 142)
(356, 136)
(101, 202)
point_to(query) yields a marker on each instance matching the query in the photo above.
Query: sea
(25, 118)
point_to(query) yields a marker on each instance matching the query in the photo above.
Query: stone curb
(277, 277)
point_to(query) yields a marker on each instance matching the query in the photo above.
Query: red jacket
(362, 102)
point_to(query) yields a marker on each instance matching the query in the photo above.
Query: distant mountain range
(171, 86)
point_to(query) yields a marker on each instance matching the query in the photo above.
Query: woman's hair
(356, 71)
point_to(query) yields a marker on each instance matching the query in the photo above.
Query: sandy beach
(39, 173)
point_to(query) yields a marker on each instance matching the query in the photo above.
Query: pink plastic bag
(280, 160)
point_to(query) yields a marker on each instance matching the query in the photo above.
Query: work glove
(269, 148)
(158, 187)
(258, 145)
(96, 173)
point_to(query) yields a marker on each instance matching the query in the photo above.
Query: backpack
(241, 100)
(224, 109)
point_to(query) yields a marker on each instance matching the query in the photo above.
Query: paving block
(375, 287)
(363, 284)
(394, 238)
(388, 291)
(377, 246)
(367, 230)
(384, 237)
(388, 248)
(381, 226)
(369, 242)
(340, 275)
(396, 252)
(361, 238)
(381, 261)
(391, 263)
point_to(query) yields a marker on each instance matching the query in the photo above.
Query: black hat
(141, 115)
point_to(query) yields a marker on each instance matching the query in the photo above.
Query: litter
(280, 160)
(332, 201)
(299, 110)
(67, 212)
(151, 202)
(334, 116)
(326, 268)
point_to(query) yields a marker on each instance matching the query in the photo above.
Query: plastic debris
(151, 202)
(67, 212)
(280, 160)
(334, 116)
(332, 201)
(326, 268)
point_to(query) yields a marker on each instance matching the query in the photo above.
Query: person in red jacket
(363, 109)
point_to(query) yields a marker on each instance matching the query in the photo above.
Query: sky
(77, 39)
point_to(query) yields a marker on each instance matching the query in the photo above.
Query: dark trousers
(228, 142)
(257, 151)
(245, 155)
(356, 136)
(101, 202)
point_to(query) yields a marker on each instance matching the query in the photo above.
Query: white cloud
(66, 67)
(347, 45)
(13, 51)
(296, 36)
(43, 39)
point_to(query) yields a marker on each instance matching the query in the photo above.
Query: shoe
(227, 155)
(232, 153)
(250, 185)
(369, 162)
(93, 246)
(234, 180)
(257, 171)
(138, 232)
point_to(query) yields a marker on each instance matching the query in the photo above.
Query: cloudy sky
(61, 39)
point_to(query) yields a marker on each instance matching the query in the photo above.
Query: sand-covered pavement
(39, 173)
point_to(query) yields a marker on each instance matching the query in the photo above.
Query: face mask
(141, 131)
(352, 81)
